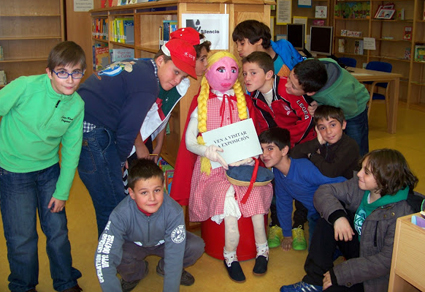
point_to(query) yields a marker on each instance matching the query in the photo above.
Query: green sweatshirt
(35, 121)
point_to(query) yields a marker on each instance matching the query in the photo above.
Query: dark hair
(279, 136)
(66, 53)
(390, 170)
(262, 59)
(161, 53)
(311, 75)
(326, 112)
(143, 169)
(198, 48)
(254, 31)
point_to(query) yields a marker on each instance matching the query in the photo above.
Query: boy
(359, 217)
(333, 152)
(117, 100)
(147, 222)
(275, 107)
(327, 83)
(294, 179)
(252, 35)
(40, 113)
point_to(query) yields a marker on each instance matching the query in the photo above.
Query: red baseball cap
(182, 54)
(187, 34)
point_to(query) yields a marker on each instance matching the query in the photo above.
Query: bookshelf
(149, 16)
(28, 31)
(391, 44)
(408, 257)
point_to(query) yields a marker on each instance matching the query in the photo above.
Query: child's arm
(10, 95)
(304, 150)
(284, 205)
(343, 230)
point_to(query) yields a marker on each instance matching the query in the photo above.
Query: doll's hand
(212, 154)
(343, 230)
(246, 161)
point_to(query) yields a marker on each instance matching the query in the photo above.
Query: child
(275, 107)
(117, 100)
(327, 83)
(294, 179)
(333, 152)
(221, 102)
(148, 222)
(252, 35)
(359, 217)
(40, 113)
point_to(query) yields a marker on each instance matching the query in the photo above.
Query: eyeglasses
(64, 75)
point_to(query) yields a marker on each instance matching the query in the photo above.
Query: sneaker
(301, 287)
(235, 272)
(275, 236)
(298, 239)
(260, 267)
(76, 288)
(186, 279)
(128, 286)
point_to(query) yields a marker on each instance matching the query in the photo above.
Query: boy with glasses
(40, 113)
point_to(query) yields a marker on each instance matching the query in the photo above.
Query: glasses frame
(69, 74)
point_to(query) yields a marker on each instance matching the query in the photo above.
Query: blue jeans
(100, 170)
(358, 129)
(21, 194)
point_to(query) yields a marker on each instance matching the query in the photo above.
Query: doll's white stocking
(231, 239)
(260, 235)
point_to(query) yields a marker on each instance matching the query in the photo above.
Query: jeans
(21, 194)
(100, 170)
(358, 129)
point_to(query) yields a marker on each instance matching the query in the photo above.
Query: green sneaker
(275, 236)
(298, 239)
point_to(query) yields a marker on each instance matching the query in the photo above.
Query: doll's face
(222, 74)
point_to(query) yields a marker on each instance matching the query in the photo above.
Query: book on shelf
(400, 14)
(3, 80)
(168, 26)
(321, 11)
(318, 22)
(100, 56)
(123, 30)
(407, 35)
(358, 47)
(1, 54)
(129, 31)
(420, 53)
(121, 54)
(356, 10)
(407, 53)
(341, 45)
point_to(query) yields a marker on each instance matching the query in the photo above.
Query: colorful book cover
(407, 33)
(121, 54)
(101, 56)
(420, 53)
(129, 31)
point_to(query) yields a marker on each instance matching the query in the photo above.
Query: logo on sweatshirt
(66, 119)
(179, 234)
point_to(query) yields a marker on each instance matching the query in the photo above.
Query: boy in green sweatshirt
(39, 113)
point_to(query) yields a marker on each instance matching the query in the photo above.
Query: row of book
(1, 54)
(100, 28)
(168, 26)
(355, 10)
(123, 30)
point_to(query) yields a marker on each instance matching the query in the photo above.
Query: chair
(349, 62)
(384, 67)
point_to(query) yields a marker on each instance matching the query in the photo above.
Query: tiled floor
(284, 267)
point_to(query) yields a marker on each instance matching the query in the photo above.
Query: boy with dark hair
(294, 179)
(327, 83)
(117, 101)
(147, 222)
(275, 107)
(42, 112)
(252, 35)
(333, 152)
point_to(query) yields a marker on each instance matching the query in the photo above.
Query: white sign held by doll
(238, 141)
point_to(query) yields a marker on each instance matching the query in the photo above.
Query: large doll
(220, 102)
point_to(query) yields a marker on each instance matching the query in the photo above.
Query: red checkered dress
(208, 192)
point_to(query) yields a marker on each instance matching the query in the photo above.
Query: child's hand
(56, 205)
(343, 230)
(327, 282)
(312, 107)
(319, 136)
(212, 154)
(286, 243)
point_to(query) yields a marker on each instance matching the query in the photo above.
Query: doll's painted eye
(221, 69)
(234, 70)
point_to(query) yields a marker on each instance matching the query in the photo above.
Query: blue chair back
(380, 66)
(350, 62)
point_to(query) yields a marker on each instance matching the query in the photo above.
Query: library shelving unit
(149, 16)
(408, 257)
(309, 13)
(28, 31)
(391, 44)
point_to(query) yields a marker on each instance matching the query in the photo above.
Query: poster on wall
(283, 12)
(215, 27)
(83, 5)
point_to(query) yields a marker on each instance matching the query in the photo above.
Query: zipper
(53, 112)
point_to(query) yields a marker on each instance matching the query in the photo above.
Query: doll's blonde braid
(202, 104)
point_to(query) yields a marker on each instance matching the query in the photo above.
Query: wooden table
(393, 80)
